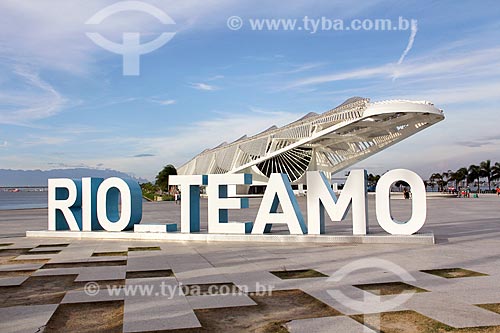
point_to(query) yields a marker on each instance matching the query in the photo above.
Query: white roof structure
(329, 142)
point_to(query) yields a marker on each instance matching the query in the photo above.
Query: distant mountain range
(16, 178)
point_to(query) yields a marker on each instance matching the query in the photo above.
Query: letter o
(383, 202)
(107, 204)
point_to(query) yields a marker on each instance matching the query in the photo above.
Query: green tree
(458, 176)
(486, 171)
(436, 178)
(473, 174)
(162, 177)
(149, 190)
(401, 183)
(495, 174)
(372, 179)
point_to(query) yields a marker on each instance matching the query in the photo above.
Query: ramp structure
(329, 142)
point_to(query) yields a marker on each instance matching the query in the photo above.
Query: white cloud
(411, 40)
(167, 102)
(203, 86)
(184, 142)
(45, 141)
(51, 34)
(215, 77)
(470, 92)
(451, 76)
(36, 100)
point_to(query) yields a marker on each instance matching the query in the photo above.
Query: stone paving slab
(148, 262)
(140, 319)
(157, 312)
(51, 248)
(19, 267)
(219, 301)
(20, 319)
(202, 276)
(13, 281)
(67, 259)
(108, 258)
(478, 295)
(35, 256)
(79, 253)
(111, 247)
(454, 313)
(350, 300)
(179, 267)
(101, 273)
(103, 295)
(58, 271)
(248, 281)
(327, 325)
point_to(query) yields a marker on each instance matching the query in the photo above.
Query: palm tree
(486, 171)
(445, 179)
(495, 171)
(438, 179)
(474, 173)
(463, 174)
(372, 179)
(458, 176)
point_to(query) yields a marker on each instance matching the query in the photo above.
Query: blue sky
(64, 101)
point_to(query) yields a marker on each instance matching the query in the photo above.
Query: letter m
(320, 197)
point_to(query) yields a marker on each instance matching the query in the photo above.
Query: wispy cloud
(3, 144)
(166, 101)
(46, 141)
(144, 155)
(204, 86)
(55, 38)
(413, 34)
(70, 165)
(354, 74)
(215, 77)
(472, 144)
(480, 142)
(411, 40)
(183, 143)
(37, 100)
(466, 64)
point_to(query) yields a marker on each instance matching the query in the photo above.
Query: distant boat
(14, 190)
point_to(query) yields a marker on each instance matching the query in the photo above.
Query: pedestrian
(498, 191)
(176, 197)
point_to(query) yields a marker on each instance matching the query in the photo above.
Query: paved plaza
(93, 285)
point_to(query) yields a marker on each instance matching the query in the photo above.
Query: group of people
(464, 193)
